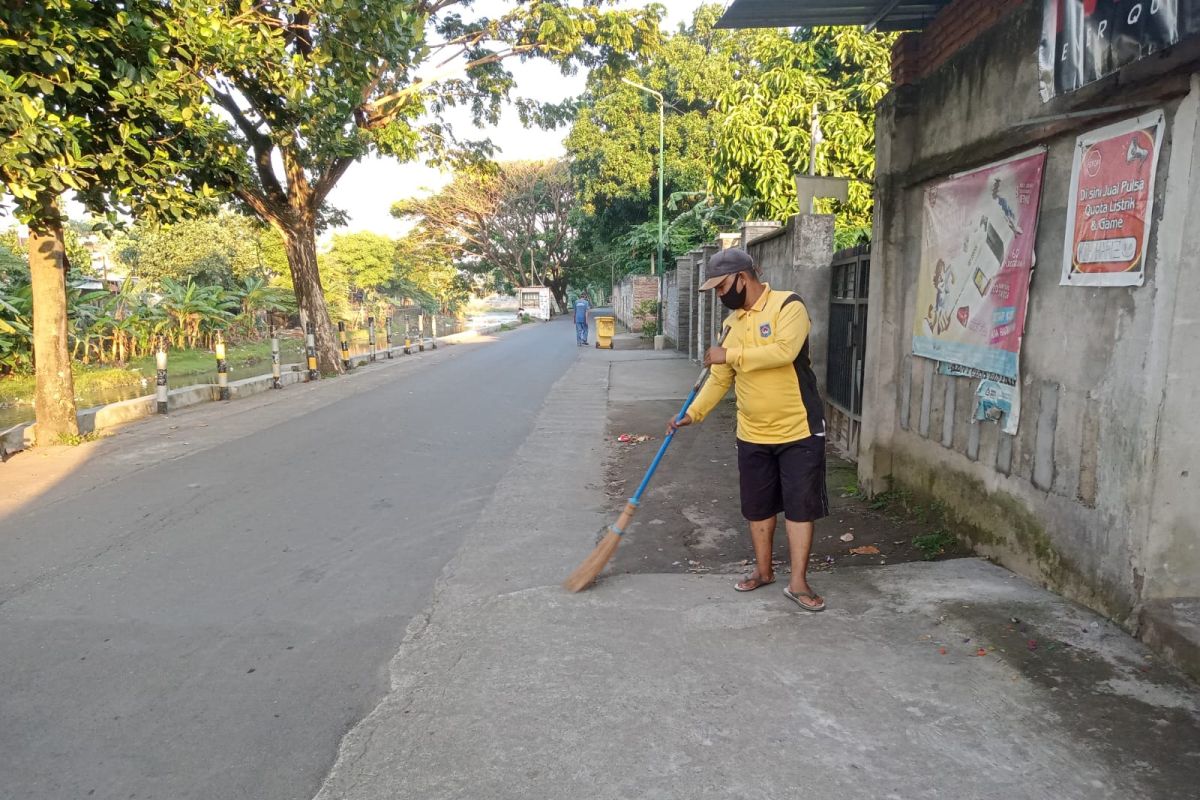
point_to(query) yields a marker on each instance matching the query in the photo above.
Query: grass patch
(182, 365)
(196, 362)
(891, 499)
(76, 439)
(934, 544)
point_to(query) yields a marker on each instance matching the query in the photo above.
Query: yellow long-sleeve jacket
(767, 360)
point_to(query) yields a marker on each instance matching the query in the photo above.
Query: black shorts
(783, 477)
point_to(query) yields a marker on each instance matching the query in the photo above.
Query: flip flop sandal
(795, 598)
(758, 583)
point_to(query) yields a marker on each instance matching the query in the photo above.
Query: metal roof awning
(884, 15)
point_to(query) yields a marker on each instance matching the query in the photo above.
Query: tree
(835, 75)
(427, 270)
(222, 249)
(95, 97)
(367, 259)
(257, 298)
(516, 218)
(192, 308)
(612, 145)
(737, 130)
(314, 85)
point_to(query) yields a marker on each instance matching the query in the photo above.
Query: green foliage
(14, 261)
(765, 135)
(76, 439)
(223, 250)
(646, 312)
(185, 366)
(194, 309)
(314, 85)
(515, 223)
(366, 260)
(427, 273)
(849, 236)
(934, 544)
(737, 130)
(96, 97)
(16, 329)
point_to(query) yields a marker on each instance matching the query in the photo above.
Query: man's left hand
(715, 355)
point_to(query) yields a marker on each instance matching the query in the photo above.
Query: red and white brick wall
(917, 54)
(629, 294)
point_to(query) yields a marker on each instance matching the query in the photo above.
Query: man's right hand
(674, 424)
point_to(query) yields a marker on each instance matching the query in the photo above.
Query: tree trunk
(558, 288)
(301, 244)
(54, 399)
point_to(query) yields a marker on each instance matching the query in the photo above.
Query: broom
(610, 536)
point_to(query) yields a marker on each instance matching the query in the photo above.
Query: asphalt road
(225, 617)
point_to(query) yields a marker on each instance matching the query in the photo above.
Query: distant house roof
(884, 15)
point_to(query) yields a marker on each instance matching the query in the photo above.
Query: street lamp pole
(661, 128)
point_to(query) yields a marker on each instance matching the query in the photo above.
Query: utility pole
(661, 137)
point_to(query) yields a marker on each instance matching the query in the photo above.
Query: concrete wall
(793, 256)
(796, 257)
(1172, 556)
(671, 307)
(1097, 494)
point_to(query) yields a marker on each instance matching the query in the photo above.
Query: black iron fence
(850, 270)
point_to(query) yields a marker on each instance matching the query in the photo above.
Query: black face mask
(734, 298)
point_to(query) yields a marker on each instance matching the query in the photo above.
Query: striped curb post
(388, 334)
(371, 338)
(345, 345)
(160, 376)
(276, 377)
(310, 352)
(222, 368)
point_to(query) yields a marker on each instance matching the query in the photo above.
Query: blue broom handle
(662, 449)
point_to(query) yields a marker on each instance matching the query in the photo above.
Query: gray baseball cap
(725, 263)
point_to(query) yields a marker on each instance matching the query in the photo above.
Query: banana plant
(16, 325)
(192, 307)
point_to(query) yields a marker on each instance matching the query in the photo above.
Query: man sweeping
(781, 419)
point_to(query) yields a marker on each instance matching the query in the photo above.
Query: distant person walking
(582, 306)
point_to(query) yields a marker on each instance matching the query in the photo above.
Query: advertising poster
(976, 256)
(997, 398)
(1111, 207)
(1084, 40)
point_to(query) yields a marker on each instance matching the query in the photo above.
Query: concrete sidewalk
(948, 679)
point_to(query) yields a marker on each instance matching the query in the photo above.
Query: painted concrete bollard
(160, 377)
(310, 352)
(276, 377)
(345, 345)
(222, 368)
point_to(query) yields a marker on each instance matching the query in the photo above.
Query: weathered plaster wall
(796, 257)
(1091, 495)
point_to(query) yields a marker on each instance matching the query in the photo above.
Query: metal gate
(850, 271)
